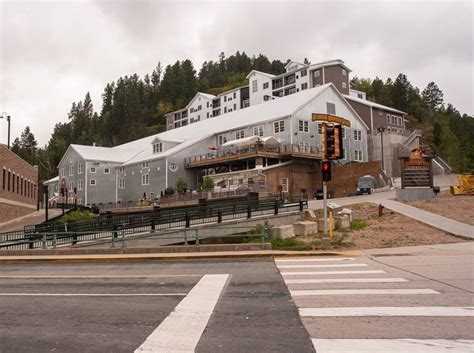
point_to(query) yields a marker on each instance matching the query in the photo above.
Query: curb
(173, 256)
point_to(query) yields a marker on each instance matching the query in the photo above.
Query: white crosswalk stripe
(315, 260)
(322, 266)
(299, 272)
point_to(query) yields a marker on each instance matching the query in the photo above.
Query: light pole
(6, 116)
(382, 129)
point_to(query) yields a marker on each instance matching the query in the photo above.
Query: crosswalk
(355, 305)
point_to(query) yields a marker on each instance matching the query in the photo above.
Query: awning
(252, 140)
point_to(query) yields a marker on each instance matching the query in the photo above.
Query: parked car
(365, 185)
(318, 195)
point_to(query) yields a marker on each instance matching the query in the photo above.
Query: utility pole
(5, 116)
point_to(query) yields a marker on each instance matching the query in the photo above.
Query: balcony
(228, 154)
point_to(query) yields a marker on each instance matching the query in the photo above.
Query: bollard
(249, 212)
(185, 237)
(153, 225)
(45, 239)
(219, 216)
(186, 217)
(301, 205)
(381, 207)
(55, 240)
(123, 238)
(275, 206)
(197, 236)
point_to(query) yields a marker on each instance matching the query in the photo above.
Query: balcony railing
(230, 153)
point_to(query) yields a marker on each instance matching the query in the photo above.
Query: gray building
(149, 165)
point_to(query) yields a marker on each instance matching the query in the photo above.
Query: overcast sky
(53, 52)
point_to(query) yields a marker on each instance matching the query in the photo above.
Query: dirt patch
(459, 208)
(390, 230)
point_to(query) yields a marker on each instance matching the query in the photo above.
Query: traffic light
(332, 141)
(326, 170)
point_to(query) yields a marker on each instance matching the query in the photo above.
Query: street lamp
(6, 116)
(382, 129)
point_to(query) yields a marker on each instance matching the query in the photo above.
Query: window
(344, 85)
(79, 201)
(199, 107)
(279, 126)
(145, 179)
(400, 121)
(284, 184)
(358, 155)
(225, 98)
(80, 184)
(235, 95)
(235, 106)
(303, 126)
(254, 86)
(145, 165)
(80, 168)
(4, 178)
(93, 170)
(106, 170)
(158, 147)
(380, 112)
(388, 118)
(303, 73)
(357, 135)
(207, 115)
(70, 186)
(207, 104)
(343, 132)
(121, 184)
(71, 170)
(344, 73)
(304, 86)
(359, 95)
(93, 182)
(258, 130)
(221, 139)
(317, 73)
(265, 85)
(320, 128)
(239, 134)
(303, 146)
(121, 169)
(331, 108)
(225, 110)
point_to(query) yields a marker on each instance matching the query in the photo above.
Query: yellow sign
(330, 119)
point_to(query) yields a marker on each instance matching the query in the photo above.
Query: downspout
(166, 173)
(86, 183)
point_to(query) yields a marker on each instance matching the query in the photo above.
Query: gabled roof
(373, 104)
(52, 180)
(329, 63)
(104, 154)
(294, 62)
(260, 73)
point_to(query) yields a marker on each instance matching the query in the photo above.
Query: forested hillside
(134, 107)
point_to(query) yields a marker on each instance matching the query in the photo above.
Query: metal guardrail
(108, 226)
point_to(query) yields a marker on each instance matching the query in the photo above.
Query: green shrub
(181, 185)
(358, 224)
(290, 244)
(169, 190)
(76, 216)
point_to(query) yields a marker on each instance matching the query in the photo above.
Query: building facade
(242, 145)
(18, 186)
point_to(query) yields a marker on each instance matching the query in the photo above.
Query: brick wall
(305, 176)
(18, 185)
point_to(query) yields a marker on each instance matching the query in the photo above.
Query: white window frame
(105, 170)
(80, 184)
(357, 135)
(254, 86)
(344, 152)
(303, 125)
(304, 86)
(146, 179)
(71, 170)
(121, 183)
(278, 126)
(258, 130)
(92, 182)
(284, 184)
(320, 128)
(358, 155)
(265, 85)
(344, 73)
(344, 85)
(221, 139)
(145, 165)
(158, 147)
(317, 73)
(343, 132)
(121, 169)
(70, 186)
(239, 134)
(80, 168)
(93, 170)
(304, 72)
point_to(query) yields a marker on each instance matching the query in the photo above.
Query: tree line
(135, 107)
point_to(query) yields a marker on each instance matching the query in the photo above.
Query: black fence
(106, 226)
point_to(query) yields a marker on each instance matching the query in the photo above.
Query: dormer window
(158, 147)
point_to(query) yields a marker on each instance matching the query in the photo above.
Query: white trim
(330, 272)
(322, 266)
(389, 311)
(345, 280)
(319, 292)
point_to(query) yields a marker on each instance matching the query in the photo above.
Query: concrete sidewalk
(446, 224)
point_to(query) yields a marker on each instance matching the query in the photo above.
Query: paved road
(398, 300)
(121, 306)
(33, 218)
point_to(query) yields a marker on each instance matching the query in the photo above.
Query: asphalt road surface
(138, 306)
(416, 299)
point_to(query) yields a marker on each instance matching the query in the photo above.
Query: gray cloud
(52, 53)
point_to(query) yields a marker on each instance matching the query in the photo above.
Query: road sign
(330, 119)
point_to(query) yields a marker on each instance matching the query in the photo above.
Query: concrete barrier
(303, 228)
(321, 224)
(282, 232)
(342, 222)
